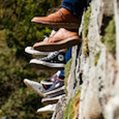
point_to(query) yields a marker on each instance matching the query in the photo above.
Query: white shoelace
(50, 55)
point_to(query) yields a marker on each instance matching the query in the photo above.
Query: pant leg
(67, 58)
(68, 55)
(61, 75)
(75, 6)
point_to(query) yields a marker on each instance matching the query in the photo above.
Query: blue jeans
(67, 58)
(75, 6)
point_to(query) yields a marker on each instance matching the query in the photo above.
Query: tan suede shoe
(62, 39)
(60, 19)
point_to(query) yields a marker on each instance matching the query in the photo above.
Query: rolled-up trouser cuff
(68, 7)
(76, 7)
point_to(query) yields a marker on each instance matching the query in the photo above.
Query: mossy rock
(109, 38)
(72, 108)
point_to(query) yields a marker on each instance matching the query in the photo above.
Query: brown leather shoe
(62, 39)
(60, 19)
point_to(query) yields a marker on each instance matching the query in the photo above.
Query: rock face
(116, 10)
(96, 64)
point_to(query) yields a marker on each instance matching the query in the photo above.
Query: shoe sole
(46, 83)
(47, 109)
(54, 91)
(45, 112)
(67, 43)
(42, 67)
(47, 64)
(29, 86)
(69, 26)
(52, 100)
(32, 51)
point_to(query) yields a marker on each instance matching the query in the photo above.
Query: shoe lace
(50, 56)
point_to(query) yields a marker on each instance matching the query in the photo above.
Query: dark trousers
(75, 6)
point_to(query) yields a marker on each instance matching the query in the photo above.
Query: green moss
(97, 58)
(71, 110)
(67, 72)
(68, 112)
(87, 15)
(85, 48)
(67, 68)
(109, 36)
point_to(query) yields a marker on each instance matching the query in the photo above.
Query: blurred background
(16, 33)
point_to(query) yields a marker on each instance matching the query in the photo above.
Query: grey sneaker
(57, 86)
(53, 98)
(37, 87)
(47, 82)
(47, 109)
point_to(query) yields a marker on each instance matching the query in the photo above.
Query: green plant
(87, 15)
(108, 37)
(72, 107)
(97, 58)
(85, 48)
(67, 72)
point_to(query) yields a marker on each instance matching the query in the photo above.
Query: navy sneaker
(53, 98)
(53, 60)
(57, 86)
(52, 79)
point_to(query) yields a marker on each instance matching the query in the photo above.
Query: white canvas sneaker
(37, 87)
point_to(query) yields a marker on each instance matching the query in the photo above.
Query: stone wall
(95, 63)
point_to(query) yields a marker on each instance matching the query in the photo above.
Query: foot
(53, 60)
(52, 79)
(37, 87)
(53, 98)
(61, 18)
(61, 40)
(32, 51)
(57, 86)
